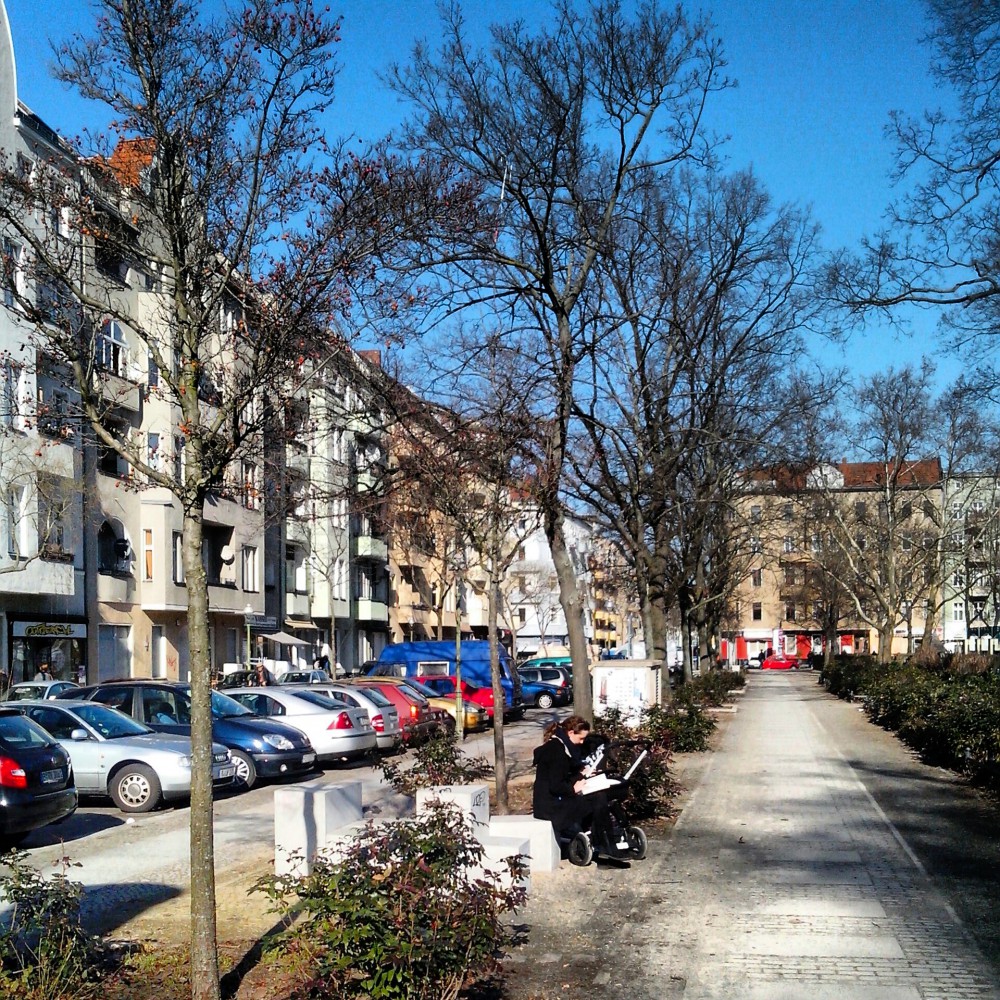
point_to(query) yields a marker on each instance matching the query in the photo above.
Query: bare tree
(192, 252)
(560, 126)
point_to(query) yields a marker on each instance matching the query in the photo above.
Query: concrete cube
(543, 848)
(473, 800)
(306, 817)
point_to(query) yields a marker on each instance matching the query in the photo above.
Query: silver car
(336, 730)
(383, 714)
(114, 755)
(30, 690)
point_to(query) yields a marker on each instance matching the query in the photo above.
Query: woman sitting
(559, 781)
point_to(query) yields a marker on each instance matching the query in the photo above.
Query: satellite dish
(228, 555)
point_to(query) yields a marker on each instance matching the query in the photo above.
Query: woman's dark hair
(574, 724)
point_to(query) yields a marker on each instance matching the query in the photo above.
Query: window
(520, 553)
(13, 273)
(147, 553)
(956, 511)
(152, 371)
(112, 349)
(112, 551)
(787, 511)
(757, 578)
(11, 395)
(958, 612)
(755, 514)
(153, 450)
(340, 590)
(907, 511)
(907, 542)
(756, 612)
(251, 578)
(16, 522)
(522, 615)
(755, 546)
(51, 525)
(789, 575)
(177, 546)
(958, 579)
(250, 486)
(53, 413)
(789, 612)
(788, 543)
(816, 543)
(860, 510)
(109, 461)
(295, 571)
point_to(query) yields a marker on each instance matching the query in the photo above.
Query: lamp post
(247, 615)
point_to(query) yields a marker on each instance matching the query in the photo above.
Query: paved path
(784, 879)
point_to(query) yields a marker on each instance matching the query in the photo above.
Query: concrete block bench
(306, 818)
(543, 848)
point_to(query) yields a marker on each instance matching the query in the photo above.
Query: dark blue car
(261, 748)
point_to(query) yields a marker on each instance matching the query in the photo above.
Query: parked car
(436, 658)
(337, 731)
(260, 748)
(445, 686)
(416, 716)
(382, 713)
(540, 662)
(36, 778)
(557, 676)
(538, 694)
(246, 678)
(476, 717)
(779, 662)
(115, 756)
(37, 689)
(313, 676)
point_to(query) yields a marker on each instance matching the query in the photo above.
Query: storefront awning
(299, 623)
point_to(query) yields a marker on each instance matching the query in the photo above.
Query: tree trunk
(885, 643)
(499, 749)
(572, 605)
(204, 955)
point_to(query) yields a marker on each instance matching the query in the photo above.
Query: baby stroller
(620, 839)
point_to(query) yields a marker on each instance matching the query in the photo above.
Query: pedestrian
(43, 673)
(559, 781)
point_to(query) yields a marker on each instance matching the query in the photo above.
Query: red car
(779, 662)
(445, 686)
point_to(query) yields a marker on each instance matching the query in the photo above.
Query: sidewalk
(784, 878)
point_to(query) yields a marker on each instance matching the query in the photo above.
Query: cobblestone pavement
(784, 878)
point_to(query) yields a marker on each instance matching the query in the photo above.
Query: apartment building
(848, 554)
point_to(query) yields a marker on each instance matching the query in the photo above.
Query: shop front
(56, 649)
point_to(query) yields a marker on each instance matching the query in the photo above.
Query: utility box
(631, 686)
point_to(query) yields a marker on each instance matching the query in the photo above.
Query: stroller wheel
(636, 842)
(580, 851)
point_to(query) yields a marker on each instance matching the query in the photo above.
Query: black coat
(557, 768)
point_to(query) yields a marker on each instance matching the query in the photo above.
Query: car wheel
(636, 838)
(135, 788)
(580, 851)
(246, 770)
(544, 700)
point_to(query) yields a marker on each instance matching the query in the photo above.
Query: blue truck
(436, 658)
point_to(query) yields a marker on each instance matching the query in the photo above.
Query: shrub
(440, 761)
(45, 953)
(399, 916)
(651, 788)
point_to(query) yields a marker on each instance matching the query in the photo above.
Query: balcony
(119, 391)
(369, 547)
(368, 610)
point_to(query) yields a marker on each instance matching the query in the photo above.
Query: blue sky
(817, 79)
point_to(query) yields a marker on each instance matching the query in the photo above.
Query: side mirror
(79, 735)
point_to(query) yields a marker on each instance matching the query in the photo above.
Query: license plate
(51, 777)
(308, 758)
(226, 772)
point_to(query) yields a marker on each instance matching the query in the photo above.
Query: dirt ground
(244, 923)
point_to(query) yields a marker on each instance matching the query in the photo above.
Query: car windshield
(224, 707)
(327, 701)
(109, 722)
(20, 692)
(19, 733)
(414, 694)
(422, 688)
(376, 696)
